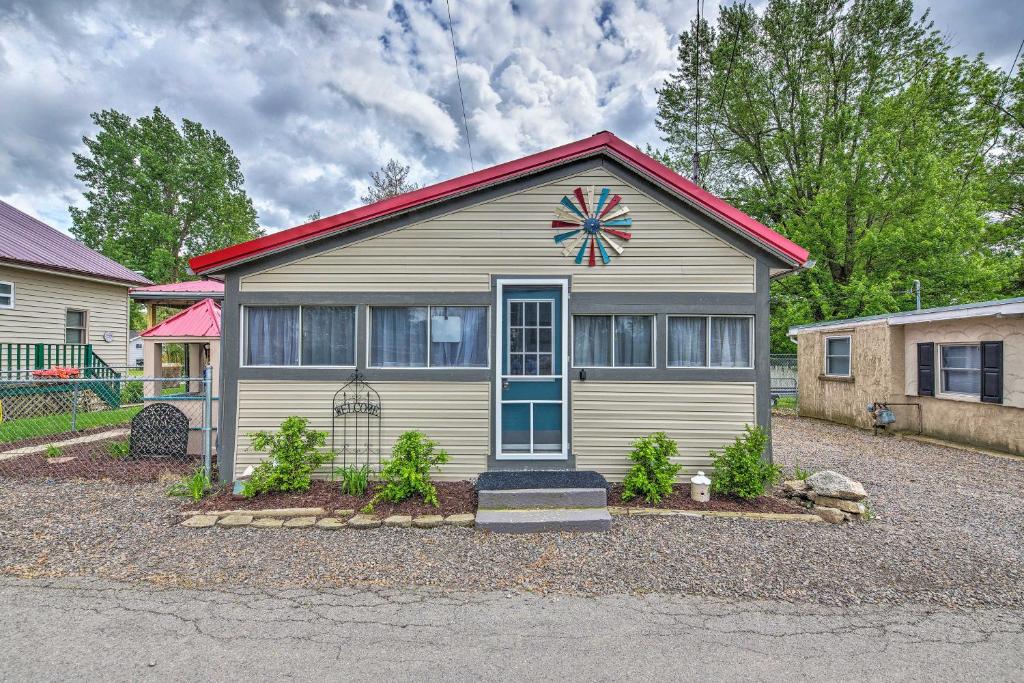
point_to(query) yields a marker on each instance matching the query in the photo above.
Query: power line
(458, 76)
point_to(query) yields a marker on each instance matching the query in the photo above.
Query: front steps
(543, 500)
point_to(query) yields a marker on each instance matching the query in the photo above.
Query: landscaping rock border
(831, 496)
(305, 518)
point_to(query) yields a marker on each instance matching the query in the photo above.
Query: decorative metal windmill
(593, 226)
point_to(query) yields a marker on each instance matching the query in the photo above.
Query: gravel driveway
(949, 532)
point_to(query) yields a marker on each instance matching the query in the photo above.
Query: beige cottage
(539, 315)
(955, 373)
(61, 303)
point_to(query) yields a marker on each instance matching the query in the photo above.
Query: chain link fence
(785, 388)
(123, 428)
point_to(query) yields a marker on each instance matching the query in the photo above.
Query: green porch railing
(18, 360)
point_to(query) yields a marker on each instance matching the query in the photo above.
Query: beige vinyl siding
(512, 235)
(455, 414)
(608, 416)
(42, 300)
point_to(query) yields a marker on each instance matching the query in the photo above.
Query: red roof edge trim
(530, 164)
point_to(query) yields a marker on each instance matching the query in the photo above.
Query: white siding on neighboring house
(455, 414)
(512, 235)
(608, 416)
(41, 303)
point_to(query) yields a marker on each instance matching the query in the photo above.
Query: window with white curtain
(837, 356)
(322, 336)
(271, 335)
(709, 341)
(688, 341)
(620, 341)
(328, 335)
(434, 336)
(961, 369)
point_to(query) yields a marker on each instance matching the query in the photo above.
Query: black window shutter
(992, 372)
(926, 369)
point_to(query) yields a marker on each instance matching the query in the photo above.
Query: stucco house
(61, 303)
(540, 314)
(955, 373)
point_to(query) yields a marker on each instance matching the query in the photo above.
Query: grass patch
(29, 427)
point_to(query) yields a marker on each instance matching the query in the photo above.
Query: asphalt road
(94, 630)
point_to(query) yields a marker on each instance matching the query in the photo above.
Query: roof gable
(27, 241)
(602, 143)
(201, 319)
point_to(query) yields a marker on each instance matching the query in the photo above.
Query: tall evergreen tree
(389, 181)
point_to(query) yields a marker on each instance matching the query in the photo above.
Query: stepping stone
(332, 523)
(346, 512)
(364, 522)
(58, 461)
(235, 520)
(403, 521)
(467, 519)
(267, 523)
(427, 521)
(200, 521)
(300, 522)
(293, 512)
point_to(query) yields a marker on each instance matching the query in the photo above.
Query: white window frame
(508, 349)
(825, 371)
(244, 335)
(942, 371)
(613, 366)
(428, 366)
(84, 328)
(707, 342)
(11, 304)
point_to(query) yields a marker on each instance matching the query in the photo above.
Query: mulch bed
(680, 499)
(455, 497)
(92, 461)
(56, 438)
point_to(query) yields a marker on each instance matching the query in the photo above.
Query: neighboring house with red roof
(56, 292)
(541, 314)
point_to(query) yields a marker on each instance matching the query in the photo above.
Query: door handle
(504, 384)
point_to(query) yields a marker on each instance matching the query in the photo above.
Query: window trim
(10, 306)
(508, 347)
(84, 328)
(243, 337)
(942, 371)
(707, 342)
(825, 371)
(654, 341)
(428, 366)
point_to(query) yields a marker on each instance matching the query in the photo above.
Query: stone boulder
(835, 485)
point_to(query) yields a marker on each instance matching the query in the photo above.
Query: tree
(158, 195)
(850, 128)
(388, 182)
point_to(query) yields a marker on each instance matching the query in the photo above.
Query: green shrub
(800, 473)
(740, 469)
(131, 392)
(354, 480)
(53, 451)
(407, 472)
(294, 456)
(653, 472)
(119, 449)
(194, 486)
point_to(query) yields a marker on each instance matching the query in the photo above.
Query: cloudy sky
(314, 95)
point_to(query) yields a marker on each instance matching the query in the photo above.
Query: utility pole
(917, 293)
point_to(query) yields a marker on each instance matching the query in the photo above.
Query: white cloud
(313, 95)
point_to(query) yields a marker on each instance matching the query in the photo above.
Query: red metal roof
(201, 319)
(27, 241)
(603, 142)
(214, 286)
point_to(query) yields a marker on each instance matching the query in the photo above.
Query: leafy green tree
(158, 195)
(850, 128)
(391, 180)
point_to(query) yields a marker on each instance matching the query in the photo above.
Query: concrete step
(534, 521)
(547, 498)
